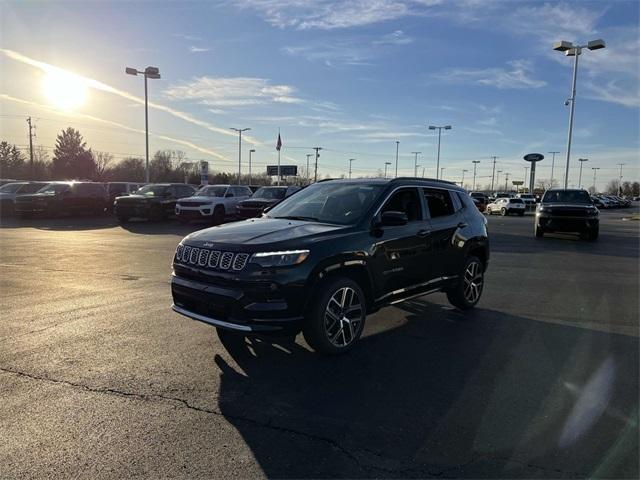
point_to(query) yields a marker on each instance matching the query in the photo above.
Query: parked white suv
(529, 199)
(212, 202)
(505, 206)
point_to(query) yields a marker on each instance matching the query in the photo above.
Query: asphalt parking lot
(99, 378)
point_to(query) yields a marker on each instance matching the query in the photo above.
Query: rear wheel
(218, 215)
(468, 290)
(336, 317)
(504, 212)
(488, 210)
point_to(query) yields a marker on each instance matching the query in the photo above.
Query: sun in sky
(64, 90)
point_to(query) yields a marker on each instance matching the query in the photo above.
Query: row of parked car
(126, 200)
(610, 201)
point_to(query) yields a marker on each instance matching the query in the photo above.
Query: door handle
(463, 225)
(423, 233)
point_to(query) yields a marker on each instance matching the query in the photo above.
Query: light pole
(442, 172)
(475, 166)
(526, 170)
(506, 181)
(154, 74)
(497, 179)
(581, 160)
(433, 127)
(397, 149)
(553, 161)
(464, 170)
(240, 130)
(415, 163)
(595, 170)
(493, 172)
(386, 164)
(350, 160)
(572, 50)
(250, 152)
(308, 156)
(620, 180)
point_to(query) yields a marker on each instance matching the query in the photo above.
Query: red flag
(279, 144)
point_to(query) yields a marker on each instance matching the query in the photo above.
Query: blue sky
(351, 77)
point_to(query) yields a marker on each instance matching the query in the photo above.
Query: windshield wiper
(297, 217)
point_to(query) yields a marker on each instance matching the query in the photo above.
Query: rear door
(446, 218)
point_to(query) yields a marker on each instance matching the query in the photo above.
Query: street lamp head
(573, 52)
(431, 127)
(387, 163)
(131, 71)
(583, 159)
(562, 46)
(596, 44)
(152, 71)
(252, 151)
(447, 127)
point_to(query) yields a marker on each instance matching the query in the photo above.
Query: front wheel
(467, 292)
(218, 215)
(488, 210)
(335, 319)
(504, 212)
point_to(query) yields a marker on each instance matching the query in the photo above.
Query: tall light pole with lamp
(154, 74)
(581, 160)
(498, 179)
(442, 172)
(620, 179)
(309, 155)
(397, 149)
(350, 160)
(433, 127)
(250, 152)
(553, 162)
(595, 170)
(464, 170)
(573, 50)
(386, 164)
(475, 166)
(240, 130)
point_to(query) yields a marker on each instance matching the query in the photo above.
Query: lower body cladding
(567, 224)
(255, 307)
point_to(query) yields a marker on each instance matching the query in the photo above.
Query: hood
(261, 231)
(135, 198)
(199, 199)
(566, 205)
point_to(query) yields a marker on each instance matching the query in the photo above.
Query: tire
(327, 328)
(488, 210)
(466, 294)
(504, 212)
(594, 235)
(539, 232)
(218, 215)
(123, 218)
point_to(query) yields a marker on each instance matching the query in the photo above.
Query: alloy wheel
(473, 281)
(343, 317)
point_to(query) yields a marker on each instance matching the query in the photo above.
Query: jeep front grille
(214, 259)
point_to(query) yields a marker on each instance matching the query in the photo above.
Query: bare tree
(102, 159)
(545, 183)
(613, 187)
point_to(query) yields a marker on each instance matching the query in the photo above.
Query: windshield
(54, 188)
(10, 187)
(566, 196)
(478, 195)
(340, 203)
(214, 191)
(526, 195)
(270, 193)
(153, 190)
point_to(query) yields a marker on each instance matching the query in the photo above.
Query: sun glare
(64, 90)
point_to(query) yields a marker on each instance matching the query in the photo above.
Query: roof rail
(423, 179)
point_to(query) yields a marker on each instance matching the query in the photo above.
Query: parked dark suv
(323, 259)
(569, 211)
(155, 202)
(264, 197)
(60, 198)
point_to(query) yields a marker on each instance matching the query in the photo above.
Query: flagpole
(278, 181)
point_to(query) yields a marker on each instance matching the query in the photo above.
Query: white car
(505, 206)
(529, 199)
(212, 202)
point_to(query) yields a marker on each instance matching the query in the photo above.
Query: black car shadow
(438, 393)
(62, 223)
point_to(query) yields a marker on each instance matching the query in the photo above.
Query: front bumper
(552, 223)
(132, 209)
(248, 212)
(250, 307)
(194, 212)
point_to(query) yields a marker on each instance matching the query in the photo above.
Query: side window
(246, 192)
(439, 202)
(405, 200)
(231, 192)
(466, 201)
(185, 191)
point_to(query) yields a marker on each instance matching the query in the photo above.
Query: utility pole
(308, 155)
(493, 173)
(415, 164)
(240, 130)
(31, 127)
(475, 166)
(397, 148)
(350, 160)
(620, 179)
(315, 175)
(464, 170)
(553, 161)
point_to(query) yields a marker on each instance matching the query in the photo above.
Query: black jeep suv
(64, 198)
(155, 201)
(570, 211)
(334, 252)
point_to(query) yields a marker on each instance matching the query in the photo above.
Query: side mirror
(393, 218)
(228, 195)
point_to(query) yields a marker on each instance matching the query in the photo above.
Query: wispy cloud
(337, 53)
(614, 93)
(232, 91)
(517, 75)
(194, 49)
(395, 38)
(186, 36)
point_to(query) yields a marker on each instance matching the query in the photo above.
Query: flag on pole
(279, 143)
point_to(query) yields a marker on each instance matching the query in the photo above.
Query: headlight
(280, 259)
